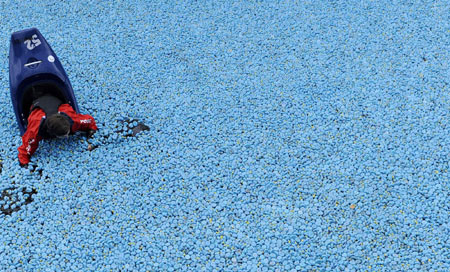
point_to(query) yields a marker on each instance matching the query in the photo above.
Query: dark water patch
(13, 199)
(131, 127)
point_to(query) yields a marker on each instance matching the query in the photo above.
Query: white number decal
(35, 40)
(33, 43)
(29, 45)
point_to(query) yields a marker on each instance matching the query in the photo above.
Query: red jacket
(30, 140)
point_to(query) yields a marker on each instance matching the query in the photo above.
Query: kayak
(35, 70)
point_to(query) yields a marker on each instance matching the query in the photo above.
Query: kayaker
(51, 118)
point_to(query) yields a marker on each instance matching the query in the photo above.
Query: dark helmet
(58, 125)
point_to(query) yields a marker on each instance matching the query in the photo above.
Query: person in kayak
(51, 118)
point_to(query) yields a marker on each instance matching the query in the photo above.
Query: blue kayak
(35, 70)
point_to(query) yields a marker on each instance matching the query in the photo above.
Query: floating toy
(34, 69)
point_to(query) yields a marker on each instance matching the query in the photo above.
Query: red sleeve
(81, 122)
(30, 139)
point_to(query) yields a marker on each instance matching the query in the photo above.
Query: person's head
(58, 125)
